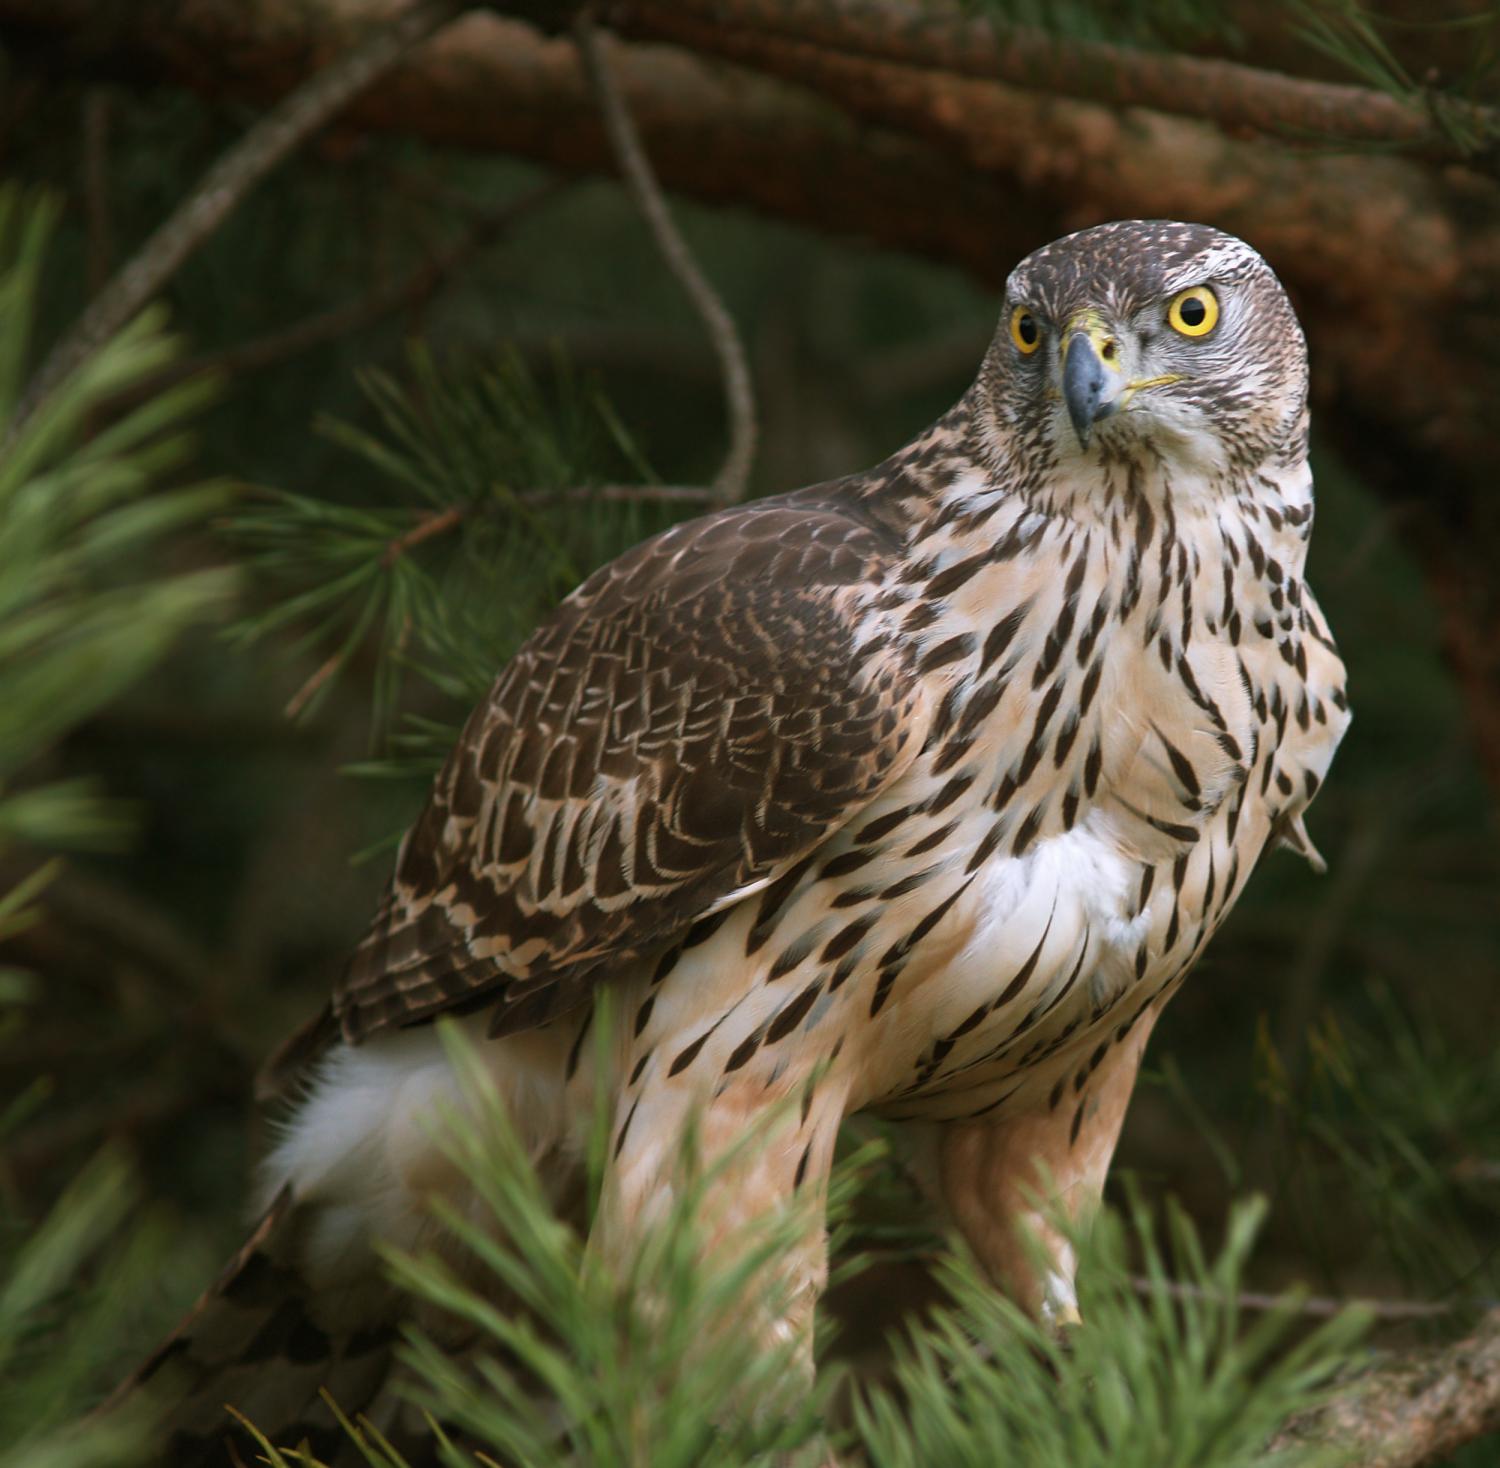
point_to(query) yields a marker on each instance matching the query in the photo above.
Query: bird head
(1148, 339)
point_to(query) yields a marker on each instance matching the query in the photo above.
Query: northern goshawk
(916, 792)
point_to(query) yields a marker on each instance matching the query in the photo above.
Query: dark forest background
(445, 299)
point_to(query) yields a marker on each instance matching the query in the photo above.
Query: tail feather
(260, 1340)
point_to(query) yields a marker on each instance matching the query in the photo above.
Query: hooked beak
(1093, 386)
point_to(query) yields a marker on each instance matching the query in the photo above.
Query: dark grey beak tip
(1084, 380)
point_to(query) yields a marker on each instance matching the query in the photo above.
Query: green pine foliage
(580, 1366)
(63, 1286)
(1169, 1372)
(86, 610)
(1404, 1126)
(575, 1365)
(473, 517)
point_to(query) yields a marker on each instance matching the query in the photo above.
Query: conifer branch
(1477, 1170)
(412, 289)
(734, 474)
(1414, 1409)
(1236, 98)
(436, 523)
(225, 184)
(429, 527)
(1315, 1307)
(313, 684)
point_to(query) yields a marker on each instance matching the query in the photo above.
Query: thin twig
(734, 475)
(320, 675)
(436, 523)
(274, 347)
(225, 184)
(440, 522)
(1476, 1170)
(1320, 1307)
(428, 527)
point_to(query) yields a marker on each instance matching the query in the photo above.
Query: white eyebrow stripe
(1229, 260)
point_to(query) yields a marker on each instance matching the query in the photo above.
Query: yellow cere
(1194, 312)
(1025, 330)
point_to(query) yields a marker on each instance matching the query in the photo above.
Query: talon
(1066, 1317)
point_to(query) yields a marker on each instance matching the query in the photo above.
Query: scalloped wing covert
(692, 720)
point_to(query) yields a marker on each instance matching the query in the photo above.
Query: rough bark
(1416, 1409)
(948, 38)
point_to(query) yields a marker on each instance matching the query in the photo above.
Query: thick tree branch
(1411, 1411)
(1239, 99)
(1375, 310)
(226, 183)
(718, 135)
(739, 398)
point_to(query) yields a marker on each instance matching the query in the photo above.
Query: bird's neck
(1178, 559)
(960, 488)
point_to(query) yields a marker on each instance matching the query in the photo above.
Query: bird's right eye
(1025, 331)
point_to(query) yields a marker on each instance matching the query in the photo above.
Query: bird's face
(1149, 339)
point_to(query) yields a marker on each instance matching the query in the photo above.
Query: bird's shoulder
(691, 720)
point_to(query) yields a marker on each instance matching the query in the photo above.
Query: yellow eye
(1194, 312)
(1025, 330)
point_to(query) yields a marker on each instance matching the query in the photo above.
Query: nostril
(1108, 350)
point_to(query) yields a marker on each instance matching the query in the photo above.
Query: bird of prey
(917, 792)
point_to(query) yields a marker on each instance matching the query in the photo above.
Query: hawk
(916, 792)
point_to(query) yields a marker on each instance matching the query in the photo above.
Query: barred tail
(259, 1340)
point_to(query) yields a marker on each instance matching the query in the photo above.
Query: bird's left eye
(1194, 312)
(1025, 330)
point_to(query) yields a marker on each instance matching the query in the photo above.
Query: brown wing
(689, 722)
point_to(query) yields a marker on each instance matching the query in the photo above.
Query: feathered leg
(1004, 1180)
